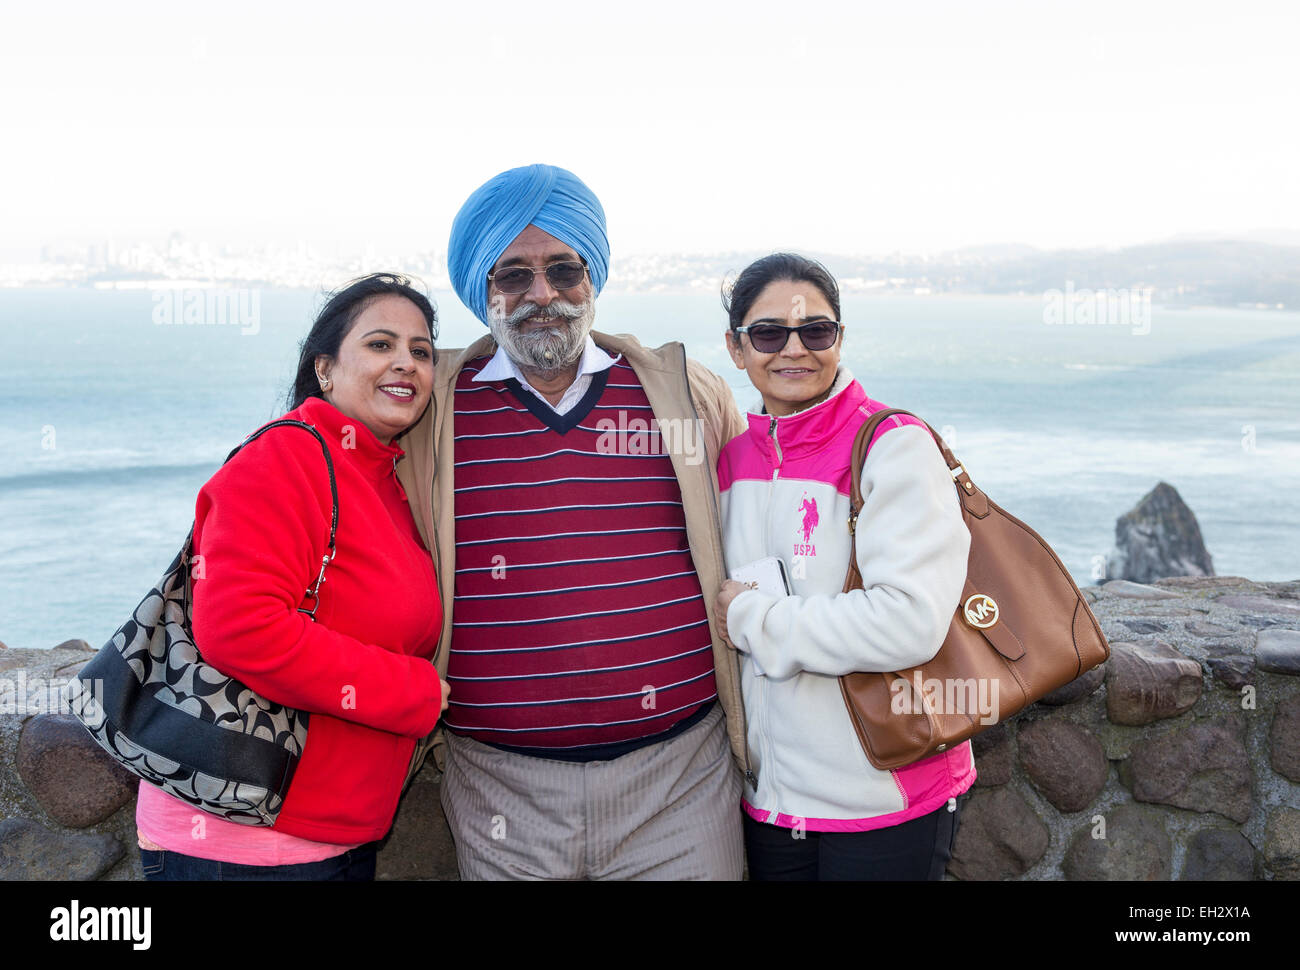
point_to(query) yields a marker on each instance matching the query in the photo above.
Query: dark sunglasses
(519, 279)
(769, 338)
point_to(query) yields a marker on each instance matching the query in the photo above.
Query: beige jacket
(678, 389)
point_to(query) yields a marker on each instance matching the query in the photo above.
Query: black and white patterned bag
(152, 702)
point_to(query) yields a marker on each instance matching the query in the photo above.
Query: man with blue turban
(595, 727)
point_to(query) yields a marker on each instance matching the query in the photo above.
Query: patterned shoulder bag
(149, 699)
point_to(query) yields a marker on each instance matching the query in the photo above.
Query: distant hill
(1213, 272)
(1186, 272)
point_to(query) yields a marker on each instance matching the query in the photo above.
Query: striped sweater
(580, 628)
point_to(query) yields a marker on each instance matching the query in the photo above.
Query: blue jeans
(354, 865)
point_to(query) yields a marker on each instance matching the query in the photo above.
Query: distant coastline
(1174, 275)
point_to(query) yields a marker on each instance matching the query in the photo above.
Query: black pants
(915, 850)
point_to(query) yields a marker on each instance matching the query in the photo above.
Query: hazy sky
(854, 128)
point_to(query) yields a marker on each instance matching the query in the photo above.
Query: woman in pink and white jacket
(815, 807)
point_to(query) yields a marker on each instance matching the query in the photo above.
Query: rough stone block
(1204, 628)
(1149, 681)
(1235, 670)
(1203, 767)
(28, 850)
(1145, 627)
(1281, 849)
(1201, 582)
(75, 780)
(999, 837)
(992, 750)
(1139, 591)
(1278, 651)
(1284, 739)
(1219, 855)
(1135, 847)
(1064, 761)
(1258, 604)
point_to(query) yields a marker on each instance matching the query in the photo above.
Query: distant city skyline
(857, 129)
(103, 247)
(1186, 272)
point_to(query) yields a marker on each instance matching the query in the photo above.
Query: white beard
(546, 350)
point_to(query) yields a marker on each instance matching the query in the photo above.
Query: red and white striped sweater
(580, 627)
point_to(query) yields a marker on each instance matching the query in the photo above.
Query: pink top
(177, 826)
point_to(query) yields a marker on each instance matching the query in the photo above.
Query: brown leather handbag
(1021, 630)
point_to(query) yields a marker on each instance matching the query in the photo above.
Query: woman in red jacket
(362, 666)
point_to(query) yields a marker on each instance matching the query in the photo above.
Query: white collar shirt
(594, 360)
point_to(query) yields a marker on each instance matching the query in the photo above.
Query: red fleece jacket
(362, 668)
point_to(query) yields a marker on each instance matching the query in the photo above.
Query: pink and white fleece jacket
(785, 493)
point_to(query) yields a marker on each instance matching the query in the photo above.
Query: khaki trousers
(666, 811)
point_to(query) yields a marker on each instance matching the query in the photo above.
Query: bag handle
(313, 592)
(972, 498)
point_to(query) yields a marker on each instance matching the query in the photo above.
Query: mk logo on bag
(981, 611)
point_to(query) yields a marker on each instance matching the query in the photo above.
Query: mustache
(555, 310)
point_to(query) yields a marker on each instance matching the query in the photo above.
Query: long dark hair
(738, 298)
(336, 318)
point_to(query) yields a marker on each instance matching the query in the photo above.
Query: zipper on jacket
(771, 485)
(761, 715)
(771, 432)
(398, 482)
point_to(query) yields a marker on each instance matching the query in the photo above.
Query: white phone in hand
(767, 575)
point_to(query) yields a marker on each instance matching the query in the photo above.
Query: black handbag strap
(329, 465)
(312, 592)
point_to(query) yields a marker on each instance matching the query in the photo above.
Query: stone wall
(1178, 759)
(67, 809)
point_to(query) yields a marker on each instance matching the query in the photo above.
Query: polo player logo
(810, 519)
(981, 611)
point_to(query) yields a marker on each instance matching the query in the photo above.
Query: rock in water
(1159, 538)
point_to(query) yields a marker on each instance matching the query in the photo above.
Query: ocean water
(110, 422)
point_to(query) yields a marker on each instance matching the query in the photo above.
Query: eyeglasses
(519, 279)
(770, 338)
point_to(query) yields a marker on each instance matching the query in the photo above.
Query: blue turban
(552, 199)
